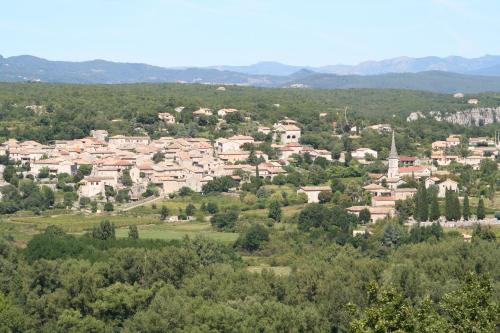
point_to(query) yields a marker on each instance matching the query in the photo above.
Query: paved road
(139, 203)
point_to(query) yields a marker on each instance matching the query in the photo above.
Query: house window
(293, 136)
(288, 136)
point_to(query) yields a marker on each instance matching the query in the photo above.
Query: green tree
(364, 215)
(84, 202)
(158, 157)
(275, 211)
(252, 239)
(190, 209)
(93, 206)
(466, 207)
(49, 196)
(44, 173)
(212, 208)
(164, 213)
(126, 179)
(225, 220)
(484, 233)
(109, 207)
(434, 213)
(104, 231)
(325, 196)
(448, 205)
(421, 203)
(471, 309)
(481, 211)
(133, 232)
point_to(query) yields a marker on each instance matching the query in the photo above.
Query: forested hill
(29, 68)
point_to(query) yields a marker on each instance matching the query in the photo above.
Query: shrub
(224, 221)
(108, 207)
(252, 239)
(104, 231)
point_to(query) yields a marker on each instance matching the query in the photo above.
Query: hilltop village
(109, 169)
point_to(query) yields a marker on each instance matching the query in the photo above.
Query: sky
(173, 33)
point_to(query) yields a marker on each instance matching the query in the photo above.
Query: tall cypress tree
(424, 211)
(480, 213)
(421, 204)
(456, 207)
(448, 208)
(434, 213)
(466, 207)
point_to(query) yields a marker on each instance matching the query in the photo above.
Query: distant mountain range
(487, 65)
(445, 75)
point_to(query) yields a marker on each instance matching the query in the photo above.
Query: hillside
(29, 68)
(454, 64)
(435, 81)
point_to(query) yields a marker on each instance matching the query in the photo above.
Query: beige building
(313, 192)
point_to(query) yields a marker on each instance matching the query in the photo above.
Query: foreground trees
(468, 309)
(308, 280)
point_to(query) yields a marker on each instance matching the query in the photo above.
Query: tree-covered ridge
(71, 111)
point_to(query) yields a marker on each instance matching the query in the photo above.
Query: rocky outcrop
(472, 117)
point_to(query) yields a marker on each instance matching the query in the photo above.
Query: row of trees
(427, 206)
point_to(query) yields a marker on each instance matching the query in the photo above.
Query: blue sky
(230, 32)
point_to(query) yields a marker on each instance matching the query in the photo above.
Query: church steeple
(393, 171)
(394, 151)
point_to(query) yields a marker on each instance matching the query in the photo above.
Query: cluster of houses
(478, 149)
(192, 162)
(386, 189)
(187, 162)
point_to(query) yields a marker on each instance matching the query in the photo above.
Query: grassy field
(179, 230)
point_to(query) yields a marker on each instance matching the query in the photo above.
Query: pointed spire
(394, 151)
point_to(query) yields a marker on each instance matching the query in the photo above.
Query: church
(395, 173)
(393, 179)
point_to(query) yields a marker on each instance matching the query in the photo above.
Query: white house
(203, 112)
(363, 153)
(166, 117)
(224, 112)
(448, 184)
(313, 192)
(287, 133)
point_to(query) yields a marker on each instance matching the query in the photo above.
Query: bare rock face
(472, 117)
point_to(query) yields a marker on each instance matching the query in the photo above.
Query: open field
(179, 230)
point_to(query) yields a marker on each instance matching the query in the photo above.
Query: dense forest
(72, 111)
(393, 281)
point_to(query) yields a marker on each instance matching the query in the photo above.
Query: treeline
(72, 111)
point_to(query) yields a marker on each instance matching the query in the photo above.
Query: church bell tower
(393, 171)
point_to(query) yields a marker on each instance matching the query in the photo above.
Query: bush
(190, 209)
(185, 191)
(212, 208)
(225, 221)
(252, 239)
(104, 231)
(108, 207)
(364, 216)
(325, 196)
(133, 232)
(164, 213)
(275, 211)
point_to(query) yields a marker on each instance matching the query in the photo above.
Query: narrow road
(139, 203)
